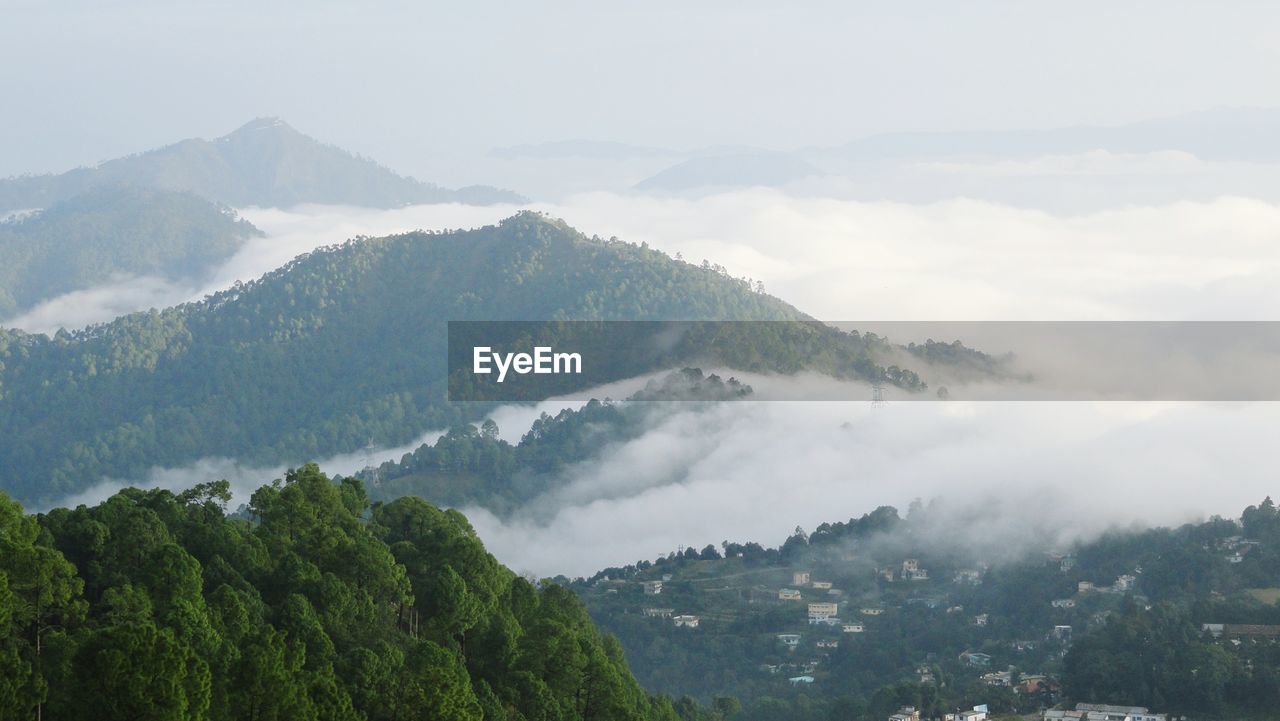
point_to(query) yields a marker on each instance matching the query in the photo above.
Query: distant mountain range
(109, 231)
(1228, 134)
(1240, 134)
(263, 163)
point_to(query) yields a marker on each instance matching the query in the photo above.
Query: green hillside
(315, 607)
(264, 163)
(339, 348)
(110, 231)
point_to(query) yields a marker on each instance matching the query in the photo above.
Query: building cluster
(1103, 712)
(1235, 548)
(911, 713)
(909, 570)
(1239, 632)
(1021, 683)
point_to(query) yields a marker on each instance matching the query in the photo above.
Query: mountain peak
(259, 124)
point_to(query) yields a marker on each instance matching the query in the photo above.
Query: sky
(428, 87)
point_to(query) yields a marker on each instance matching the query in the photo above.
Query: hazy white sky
(422, 86)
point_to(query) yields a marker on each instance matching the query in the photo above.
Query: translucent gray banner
(866, 360)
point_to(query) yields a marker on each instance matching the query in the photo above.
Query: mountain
(1181, 620)
(264, 163)
(110, 231)
(344, 347)
(733, 170)
(316, 606)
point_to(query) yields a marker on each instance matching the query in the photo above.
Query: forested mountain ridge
(339, 348)
(472, 466)
(109, 231)
(264, 163)
(318, 606)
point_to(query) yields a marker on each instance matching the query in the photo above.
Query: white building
(652, 588)
(686, 621)
(823, 609)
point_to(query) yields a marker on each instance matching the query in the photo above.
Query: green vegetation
(343, 347)
(1132, 632)
(112, 231)
(314, 605)
(263, 163)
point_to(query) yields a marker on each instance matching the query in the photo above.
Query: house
(1084, 586)
(977, 713)
(652, 588)
(835, 592)
(1035, 683)
(1062, 632)
(974, 658)
(658, 612)
(911, 564)
(906, 713)
(971, 576)
(800, 578)
(1064, 603)
(825, 621)
(981, 619)
(872, 611)
(789, 594)
(918, 574)
(828, 643)
(822, 585)
(790, 640)
(998, 678)
(1125, 583)
(1067, 563)
(852, 628)
(797, 680)
(686, 621)
(886, 574)
(925, 673)
(822, 609)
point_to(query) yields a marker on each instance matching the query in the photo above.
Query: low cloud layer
(1004, 472)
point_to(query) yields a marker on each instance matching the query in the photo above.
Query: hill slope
(916, 616)
(109, 231)
(263, 163)
(339, 348)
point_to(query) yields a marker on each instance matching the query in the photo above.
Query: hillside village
(844, 611)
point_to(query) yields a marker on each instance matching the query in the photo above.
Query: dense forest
(1120, 619)
(264, 163)
(310, 603)
(344, 347)
(113, 231)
